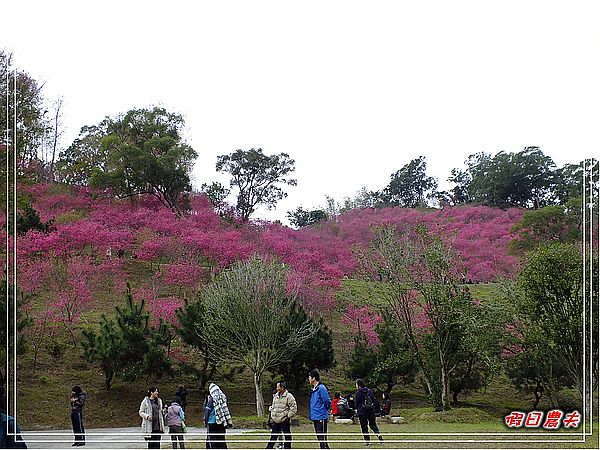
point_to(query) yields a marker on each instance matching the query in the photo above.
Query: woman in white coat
(153, 419)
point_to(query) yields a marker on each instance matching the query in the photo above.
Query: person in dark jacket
(365, 410)
(386, 408)
(77, 400)
(320, 402)
(182, 393)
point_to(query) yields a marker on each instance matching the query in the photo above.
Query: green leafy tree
(33, 123)
(554, 223)
(190, 316)
(364, 198)
(105, 348)
(362, 359)
(257, 177)
(27, 219)
(553, 307)
(216, 193)
(8, 326)
(526, 179)
(569, 180)
(127, 346)
(459, 194)
(410, 187)
(418, 262)
(534, 367)
(86, 154)
(316, 353)
(250, 307)
(386, 365)
(301, 217)
(141, 152)
(479, 355)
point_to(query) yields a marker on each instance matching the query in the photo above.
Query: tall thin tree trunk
(56, 136)
(260, 402)
(445, 381)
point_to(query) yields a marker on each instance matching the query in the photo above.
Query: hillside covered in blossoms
(95, 245)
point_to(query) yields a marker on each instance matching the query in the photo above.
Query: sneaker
(380, 437)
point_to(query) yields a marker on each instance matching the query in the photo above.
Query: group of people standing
(216, 417)
(157, 417)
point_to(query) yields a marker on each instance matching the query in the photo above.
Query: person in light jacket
(175, 418)
(282, 409)
(153, 420)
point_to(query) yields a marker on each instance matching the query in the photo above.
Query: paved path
(109, 438)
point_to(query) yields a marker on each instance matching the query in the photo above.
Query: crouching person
(283, 408)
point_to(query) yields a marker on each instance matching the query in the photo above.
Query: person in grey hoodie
(77, 400)
(175, 418)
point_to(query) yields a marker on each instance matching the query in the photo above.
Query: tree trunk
(537, 392)
(108, 380)
(445, 381)
(260, 402)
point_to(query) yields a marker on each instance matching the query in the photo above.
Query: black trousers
(372, 422)
(176, 432)
(215, 438)
(78, 431)
(321, 431)
(154, 441)
(276, 430)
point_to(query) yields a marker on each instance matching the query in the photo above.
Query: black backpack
(343, 407)
(369, 402)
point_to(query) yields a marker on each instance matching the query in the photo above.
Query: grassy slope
(46, 389)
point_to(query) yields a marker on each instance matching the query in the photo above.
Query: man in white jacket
(282, 409)
(153, 420)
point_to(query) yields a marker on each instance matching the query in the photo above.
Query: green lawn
(456, 435)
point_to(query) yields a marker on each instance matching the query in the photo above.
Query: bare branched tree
(248, 311)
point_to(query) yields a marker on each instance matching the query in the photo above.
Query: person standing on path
(153, 420)
(320, 402)
(182, 393)
(216, 417)
(175, 418)
(365, 410)
(282, 409)
(77, 400)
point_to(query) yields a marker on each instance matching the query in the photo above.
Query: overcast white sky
(351, 90)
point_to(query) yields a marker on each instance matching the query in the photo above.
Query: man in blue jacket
(320, 402)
